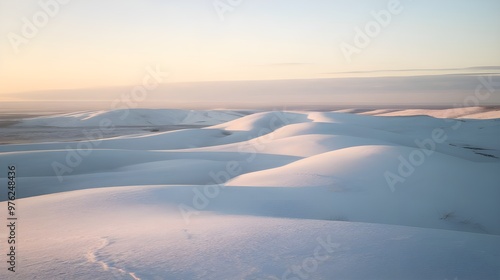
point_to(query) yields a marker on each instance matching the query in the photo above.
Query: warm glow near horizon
(91, 44)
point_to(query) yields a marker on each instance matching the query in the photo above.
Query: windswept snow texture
(271, 195)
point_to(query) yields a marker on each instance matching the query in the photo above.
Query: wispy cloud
(471, 70)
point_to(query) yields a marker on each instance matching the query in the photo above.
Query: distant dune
(455, 113)
(152, 117)
(133, 117)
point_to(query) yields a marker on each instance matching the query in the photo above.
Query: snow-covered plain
(271, 195)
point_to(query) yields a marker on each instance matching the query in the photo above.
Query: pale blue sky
(95, 43)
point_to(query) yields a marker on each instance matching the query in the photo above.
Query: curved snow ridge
(49, 163)
(269, 121)
(350, 131)
(371, 161)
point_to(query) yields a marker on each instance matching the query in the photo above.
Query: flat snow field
(381, 194)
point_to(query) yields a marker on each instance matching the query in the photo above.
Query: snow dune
(254, 197)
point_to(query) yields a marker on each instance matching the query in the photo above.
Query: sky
(74, 44)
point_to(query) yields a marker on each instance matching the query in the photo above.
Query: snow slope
(136, 233)
(249, 198)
